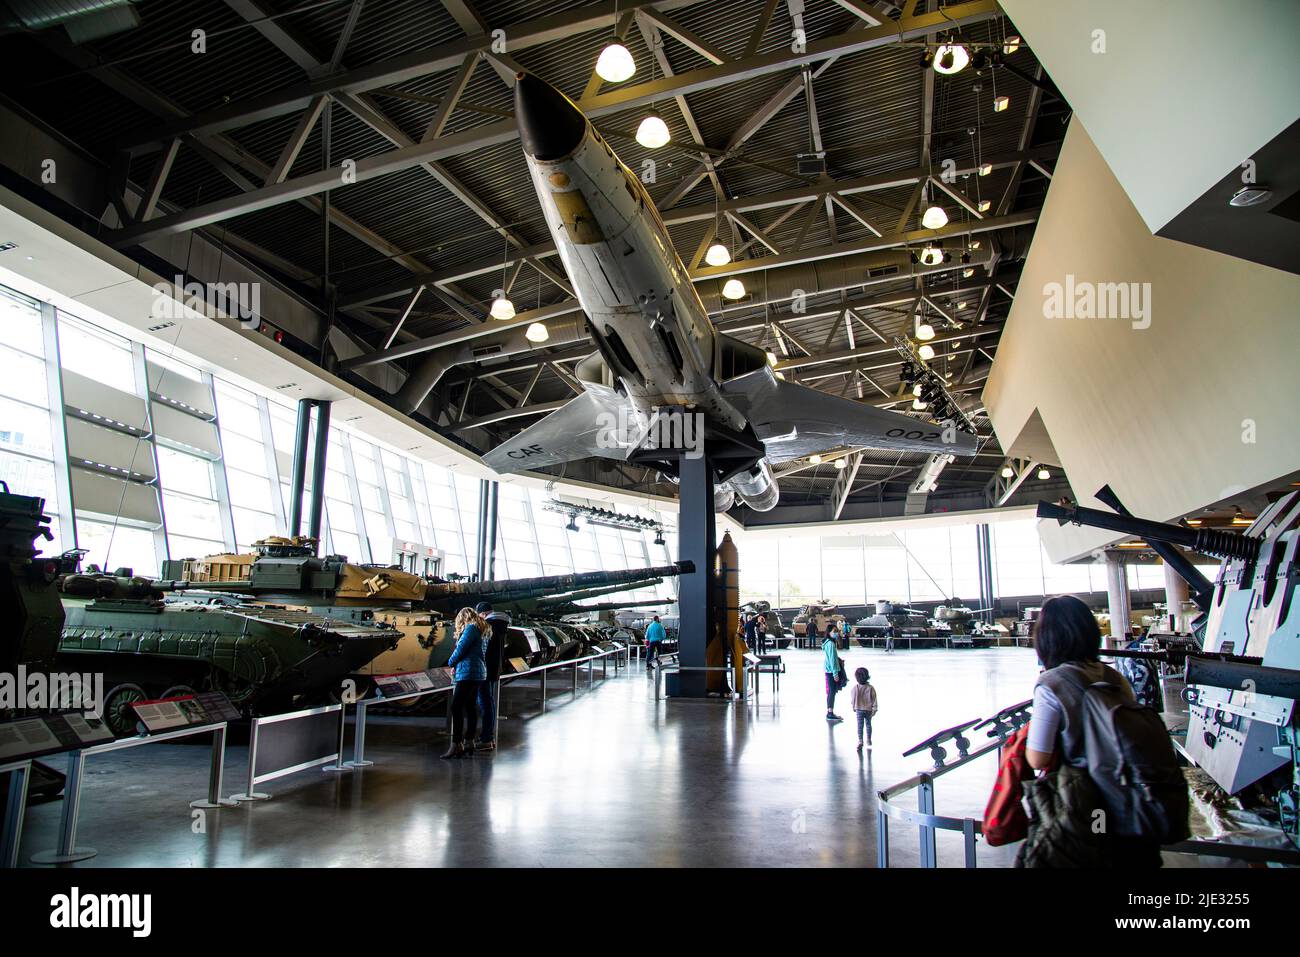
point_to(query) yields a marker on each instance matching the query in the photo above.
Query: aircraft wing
(583, 428)
(794, 421)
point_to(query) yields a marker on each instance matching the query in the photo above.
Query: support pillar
(984, 554)
(319, 452)
(299, 480)
(1176, 592)
(695, 543)
(490, 569)
(1117, 594)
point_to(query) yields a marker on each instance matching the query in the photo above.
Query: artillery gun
(1242, 682)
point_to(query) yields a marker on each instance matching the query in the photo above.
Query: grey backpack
(1132, 762)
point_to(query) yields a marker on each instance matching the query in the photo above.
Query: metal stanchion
(339, 766)
(215, 773)
(67, 851)
(925, 804)
(359, 737)
(15, 808)
(252, 794)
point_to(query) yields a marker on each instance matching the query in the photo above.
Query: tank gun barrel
(584, 594)
(517, 589)
(1207, 541)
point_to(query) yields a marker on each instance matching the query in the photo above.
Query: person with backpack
(1111, 791)
(834, 669)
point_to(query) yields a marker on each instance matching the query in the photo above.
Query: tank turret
(29, 602)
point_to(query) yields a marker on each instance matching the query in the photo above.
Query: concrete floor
(609, 779)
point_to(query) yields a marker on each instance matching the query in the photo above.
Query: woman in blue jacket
(470, 661)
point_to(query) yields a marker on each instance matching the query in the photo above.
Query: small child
(864, 704)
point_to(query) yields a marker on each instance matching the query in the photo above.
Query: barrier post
(359, 737)
(252, 794)
(339, 765)
(67, 851)
(15, 808)
(925, 804)
(882, 841)
(216, 771)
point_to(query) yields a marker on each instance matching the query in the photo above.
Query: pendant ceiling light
(502, 308)
(733, 289)
(718, 255)
(1044, 475)
(951, 58)
(839, 464)
(815, 459)
(934, 217)
(615, 64)
(653, 132)
(1008, 471)
(536, 332)
(926, 352)
(924, 331)
(931, 255)
(918, 405)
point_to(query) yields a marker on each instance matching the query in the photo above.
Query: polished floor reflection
(608, 778)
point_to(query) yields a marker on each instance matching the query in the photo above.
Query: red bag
(1005, 820)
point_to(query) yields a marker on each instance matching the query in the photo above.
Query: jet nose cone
(550, 126)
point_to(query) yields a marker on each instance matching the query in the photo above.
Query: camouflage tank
(421, 610)
(266, 659)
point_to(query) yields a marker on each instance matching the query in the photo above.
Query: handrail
(1004, 723)
(677, 668)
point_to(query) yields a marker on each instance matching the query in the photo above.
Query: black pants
(651, 649)
(832, 689)
(464, 710)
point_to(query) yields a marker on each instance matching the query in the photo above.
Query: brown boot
(454, 750)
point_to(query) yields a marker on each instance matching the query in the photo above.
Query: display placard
(167, 714)
(49, 734)
(413, 682)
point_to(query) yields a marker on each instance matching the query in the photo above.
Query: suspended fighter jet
(656, 348)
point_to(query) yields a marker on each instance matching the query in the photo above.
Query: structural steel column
(319, 452)
(695, 543)
(299, 480)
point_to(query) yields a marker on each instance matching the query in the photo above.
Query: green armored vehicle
(266, 659)
(29, 602)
